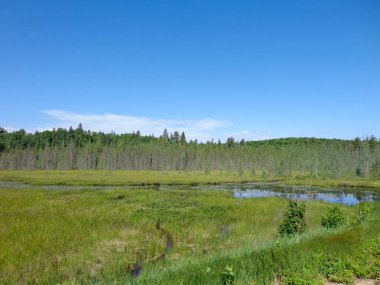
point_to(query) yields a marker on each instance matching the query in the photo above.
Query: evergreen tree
(65, 149)
(372, 143)
(230, 142)
(165, 135)
(183, 138)
(175, 137)
(357, 144)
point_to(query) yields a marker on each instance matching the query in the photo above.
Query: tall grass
(141, 178)
(299, 262)
(51, 237)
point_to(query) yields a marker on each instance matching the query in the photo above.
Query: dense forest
(81, 149)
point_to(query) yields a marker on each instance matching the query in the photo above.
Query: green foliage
(345, 277)
(294, 219)
(230, 142)
(274, 159)
(362, 213)
(183, 138)
(335, 218)
(334, 269)
(313, 260)
(118, 229)
(228, 275)
(362, 263)
(157, 178)
(301, 278)
(366, 263)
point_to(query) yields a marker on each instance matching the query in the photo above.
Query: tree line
(81, 149)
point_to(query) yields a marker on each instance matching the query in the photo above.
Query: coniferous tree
(165, 135)
(175, 137)
(183, 138)
(357, 144)
(76, 149)
(230, 142)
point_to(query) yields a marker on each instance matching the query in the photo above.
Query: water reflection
(344, 196)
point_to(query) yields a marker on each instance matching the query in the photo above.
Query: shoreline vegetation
(156, 178)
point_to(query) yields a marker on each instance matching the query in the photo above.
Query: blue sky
(248, 69)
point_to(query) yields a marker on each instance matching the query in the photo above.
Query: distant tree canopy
(81, 149)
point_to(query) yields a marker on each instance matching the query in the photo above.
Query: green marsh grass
(96, 236)
(288, 261)
(51, 236)
(142, 178)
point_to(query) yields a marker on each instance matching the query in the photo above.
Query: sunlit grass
(120, 177)
(141, 178)
(50, 236)
(98, 236)
(282, 260)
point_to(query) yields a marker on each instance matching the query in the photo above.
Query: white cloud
(249, 136)
(202, 130)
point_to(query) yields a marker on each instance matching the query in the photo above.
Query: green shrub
(345, 277)
(334, 218)
(294, 219)
(305, 277)
(366, 263)
(295, 279)
(334, 269)
(228, 275)
(362, 213)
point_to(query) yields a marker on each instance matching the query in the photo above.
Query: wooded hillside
(80, 149)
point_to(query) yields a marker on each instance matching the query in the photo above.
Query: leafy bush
(294, 219)
(334, 269)
(301, 278)
(334, 218)
(362, 213)
(366, 263)
(228, 276)
(345, 277)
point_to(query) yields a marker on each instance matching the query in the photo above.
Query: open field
(105, 236)
(141, 178)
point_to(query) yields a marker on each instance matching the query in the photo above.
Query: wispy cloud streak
(203, 129)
